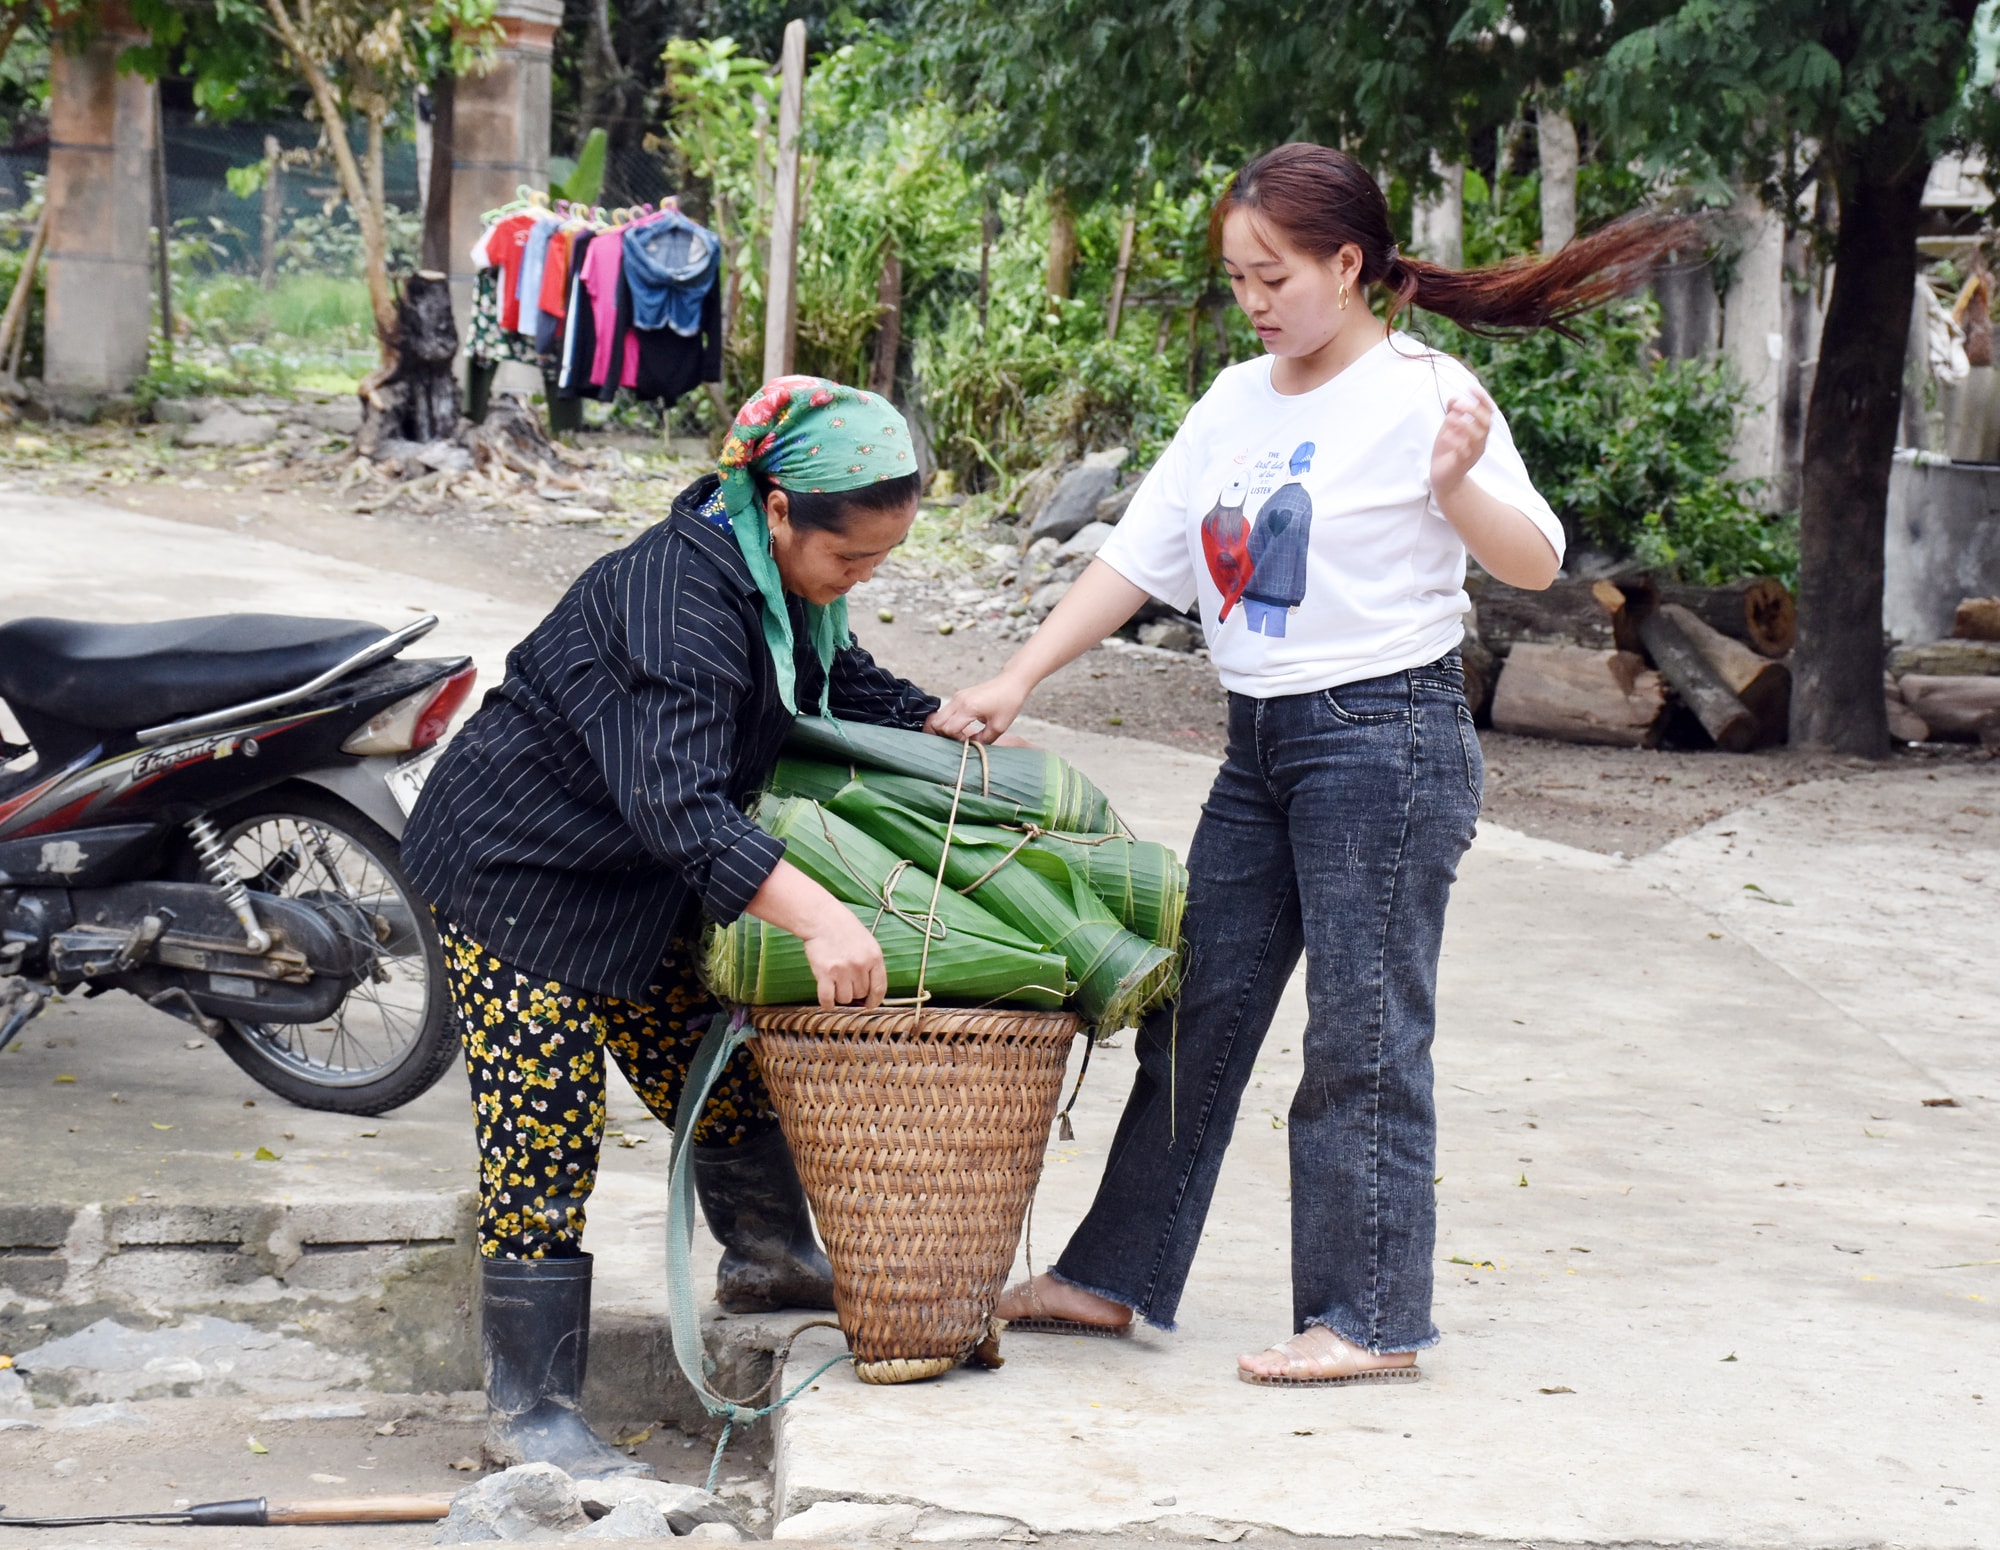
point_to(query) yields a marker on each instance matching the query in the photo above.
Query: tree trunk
(417, 401)
(1062, 243)
(1849, 444)
(888, 323)
(375, 242)
(1437, 221)
(274, 207)
(603, 71)
(1559, 157)
(437, 196)
(1115, 312)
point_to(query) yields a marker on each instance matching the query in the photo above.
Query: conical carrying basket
(919, 1137)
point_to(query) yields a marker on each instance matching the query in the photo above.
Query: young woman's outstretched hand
(1100, 601)
(1500, 536)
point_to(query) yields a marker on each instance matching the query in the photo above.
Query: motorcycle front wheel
(393, 1036)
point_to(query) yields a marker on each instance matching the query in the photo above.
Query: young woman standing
(1319, 502)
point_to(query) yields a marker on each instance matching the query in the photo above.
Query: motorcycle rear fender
(363, 785)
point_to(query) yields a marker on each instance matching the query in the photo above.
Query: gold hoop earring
(1343, 296)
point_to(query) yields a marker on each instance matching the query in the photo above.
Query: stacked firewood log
(1632, 659)
(1949, 689)
(1622, 660)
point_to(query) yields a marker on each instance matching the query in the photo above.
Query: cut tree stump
(1948, 658)
(1580, 696)
(1764, 686)
(1978, 618)
(1955, 706)
(1725, 718)
(1757, 611)
(417, 399)
(1569, 613)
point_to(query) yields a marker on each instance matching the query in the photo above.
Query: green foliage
(582, 180)
(1631, 450)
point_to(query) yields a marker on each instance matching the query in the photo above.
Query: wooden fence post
(781, 298)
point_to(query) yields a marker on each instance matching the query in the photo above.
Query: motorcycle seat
(120, 677)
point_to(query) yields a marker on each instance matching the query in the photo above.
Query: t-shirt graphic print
(1304, 524)
(1280, 545)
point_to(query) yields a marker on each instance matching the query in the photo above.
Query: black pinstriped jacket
(597, 795)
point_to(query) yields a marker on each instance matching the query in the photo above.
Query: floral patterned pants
(534, 1049)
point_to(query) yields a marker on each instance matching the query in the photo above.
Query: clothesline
(630, 300)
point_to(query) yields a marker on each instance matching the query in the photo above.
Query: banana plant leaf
(1119, 976)
(1050, 791)
(754, 963)
(822, 782)
(857, 869)
(1142, 881)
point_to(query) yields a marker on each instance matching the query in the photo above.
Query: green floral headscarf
(805, 434)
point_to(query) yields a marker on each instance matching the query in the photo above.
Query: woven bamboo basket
(920, 1142)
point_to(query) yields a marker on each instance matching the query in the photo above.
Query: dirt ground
(1615, 801)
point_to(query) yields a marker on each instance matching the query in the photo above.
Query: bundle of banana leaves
(1041, 787)
(1024, 914)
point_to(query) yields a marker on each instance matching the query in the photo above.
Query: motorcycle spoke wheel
(391, 1036)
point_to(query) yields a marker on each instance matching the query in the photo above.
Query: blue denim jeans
(1334, 829)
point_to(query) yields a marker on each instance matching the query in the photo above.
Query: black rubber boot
(756, 1207)
(534, 1340)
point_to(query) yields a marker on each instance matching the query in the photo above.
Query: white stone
(199, 1357)
(851, 1520)
(1086, 541)
(231, 428)
(1046, 597)
(633, 1518)
(720, 1533)
(686, 1507)
(14, 1396)
(1110, 457)
(529, 1501)
(1043, 549)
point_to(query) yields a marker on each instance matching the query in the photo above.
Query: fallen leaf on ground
(194, 1044)
(255, 1446)
(320, 1479)
(65, 1077)
(1763, 897)
(386, 1429)
(1560, 1388)
(468, 1466)
(1730, 1357)
(265, 1154)
(632, 1439)
(158, 1126)
(1940, 1103)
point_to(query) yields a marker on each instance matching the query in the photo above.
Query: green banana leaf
(754, 963)
(822, 782)
(1050, 791)
(1142, 881)
(1119, 976)
(857, 869)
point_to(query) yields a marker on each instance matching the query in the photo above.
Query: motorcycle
(206, 815)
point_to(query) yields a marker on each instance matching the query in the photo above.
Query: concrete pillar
(100, 196)
(500, 132)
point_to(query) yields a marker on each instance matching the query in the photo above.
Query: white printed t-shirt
(1305, 526)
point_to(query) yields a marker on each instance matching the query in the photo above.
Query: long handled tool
(256, 1512)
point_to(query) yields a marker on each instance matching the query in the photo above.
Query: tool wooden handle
(363, 1509)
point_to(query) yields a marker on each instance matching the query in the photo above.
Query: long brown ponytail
(1322, 200)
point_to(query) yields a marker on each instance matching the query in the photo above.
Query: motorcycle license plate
(406, 781)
